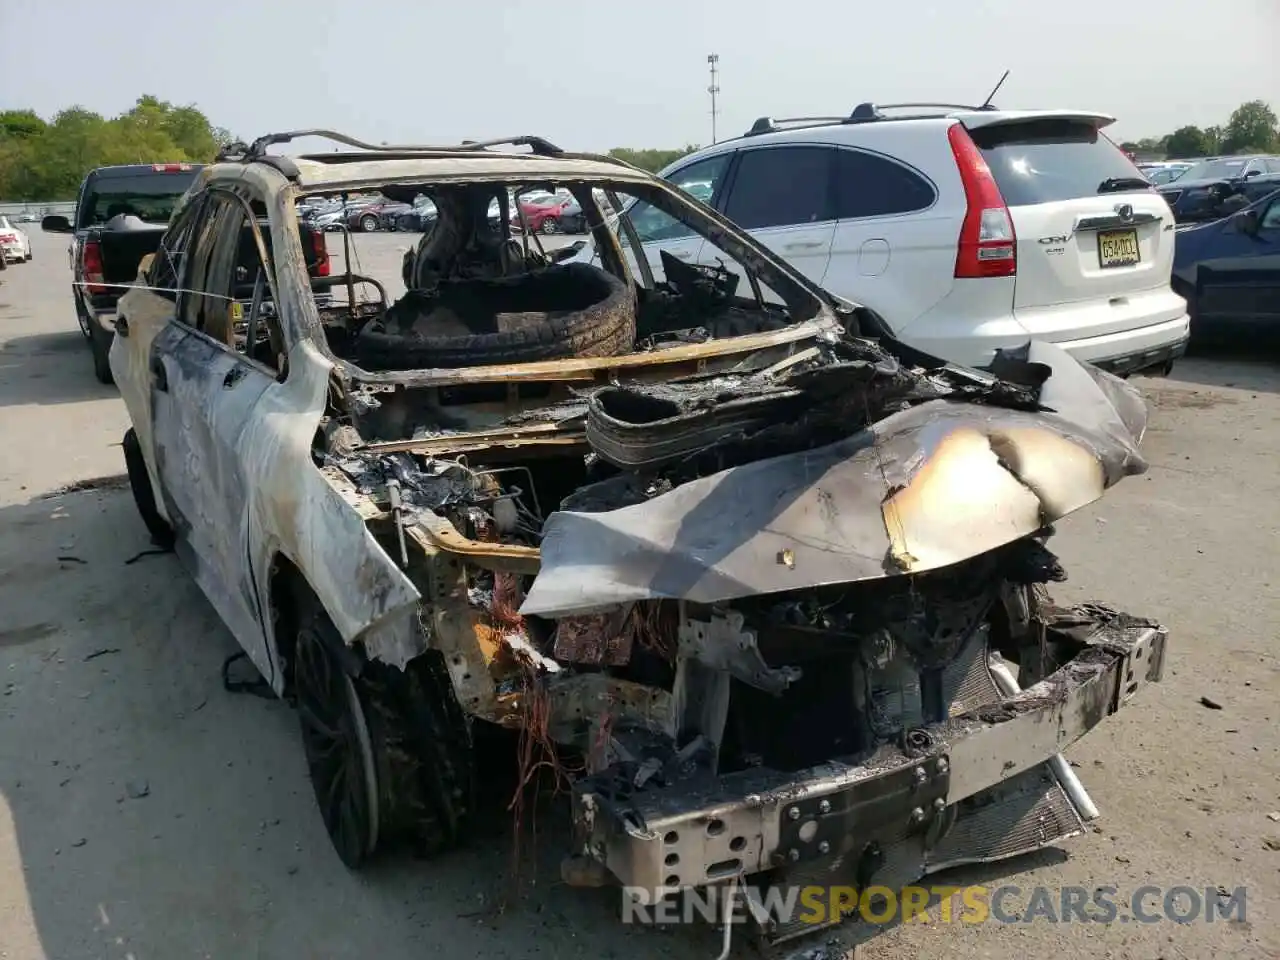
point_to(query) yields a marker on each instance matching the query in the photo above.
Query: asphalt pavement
(147, 814)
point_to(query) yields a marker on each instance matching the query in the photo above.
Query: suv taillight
(91, 267)
(321, 250)
(988, 245)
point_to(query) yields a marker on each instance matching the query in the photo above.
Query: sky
(596, 75)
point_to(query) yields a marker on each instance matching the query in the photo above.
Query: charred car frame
(773, 581)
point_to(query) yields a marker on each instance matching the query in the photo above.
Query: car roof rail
(770, 125)
(862, 113)
(874, 111)
(258, 149)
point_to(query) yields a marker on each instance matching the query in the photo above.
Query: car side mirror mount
(1246, 222)
(56, 223)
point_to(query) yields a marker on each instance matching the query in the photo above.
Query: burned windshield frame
(627, 228)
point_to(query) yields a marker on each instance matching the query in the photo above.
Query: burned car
(766, 584)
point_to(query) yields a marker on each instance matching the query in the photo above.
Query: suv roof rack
(770, 125)
(258, 149)
(862, 113)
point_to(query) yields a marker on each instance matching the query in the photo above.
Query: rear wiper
(1117, 184)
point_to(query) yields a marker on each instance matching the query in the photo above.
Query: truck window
(148, 195)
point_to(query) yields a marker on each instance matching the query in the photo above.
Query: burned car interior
(768, 585)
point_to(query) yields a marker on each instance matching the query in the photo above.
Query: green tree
(1147, 146)
(651, 160)
(1189, 141)
(1252, 127)
(47, 161)
(21, 124)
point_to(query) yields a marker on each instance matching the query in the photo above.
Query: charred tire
(335, 737)
(143, 496)
(99, 345)
(605, 328)
(424, 751)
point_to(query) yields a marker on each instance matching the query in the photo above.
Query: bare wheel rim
(335, 740)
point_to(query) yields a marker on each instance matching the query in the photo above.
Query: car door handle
(122, 326)
(802, 245)
(159, 378)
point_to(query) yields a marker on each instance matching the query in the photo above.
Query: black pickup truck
(121, 214)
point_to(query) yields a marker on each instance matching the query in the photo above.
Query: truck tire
(99, 345)
(606, 327)
(143, 496)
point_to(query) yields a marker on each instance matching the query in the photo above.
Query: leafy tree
(651, 160)
(1252, 128)
(1188, 141)
(47, 161)
(1147, 145)
(20, 123)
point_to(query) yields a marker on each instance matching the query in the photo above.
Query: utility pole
(713, 60)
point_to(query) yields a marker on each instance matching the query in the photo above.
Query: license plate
(1118, 248)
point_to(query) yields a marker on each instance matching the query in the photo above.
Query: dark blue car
(1218, 186)
(1229, 272)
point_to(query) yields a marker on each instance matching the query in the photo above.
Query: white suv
(968, 228)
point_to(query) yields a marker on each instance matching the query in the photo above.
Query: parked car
(1165, 171)
(1219, 186)
(1229, 273)
(541, 214)
(120, 217)
(376, 215)
(419, 218)
(572, 219)
(15, 245)
(27, 218)
(405, 559)
(967, 229)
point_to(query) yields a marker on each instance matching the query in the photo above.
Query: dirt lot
(146, 813)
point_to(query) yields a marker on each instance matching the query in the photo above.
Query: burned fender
(920, 489)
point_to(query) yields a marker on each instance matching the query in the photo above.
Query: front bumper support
(708, 829)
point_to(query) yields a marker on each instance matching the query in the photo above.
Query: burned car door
(204, 389)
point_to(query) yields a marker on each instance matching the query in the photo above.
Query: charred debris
(482, 487)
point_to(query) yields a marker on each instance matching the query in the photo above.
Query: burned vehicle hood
(935, 482)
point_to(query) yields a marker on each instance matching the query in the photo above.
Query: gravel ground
(147, 814)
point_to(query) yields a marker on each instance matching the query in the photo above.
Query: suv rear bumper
(1133, 350)
(905, 798)
(1135, 362)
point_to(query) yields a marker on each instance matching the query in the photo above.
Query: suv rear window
(1043, 161)
(147, 195)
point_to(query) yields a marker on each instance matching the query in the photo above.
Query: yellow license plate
(1118, 248)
